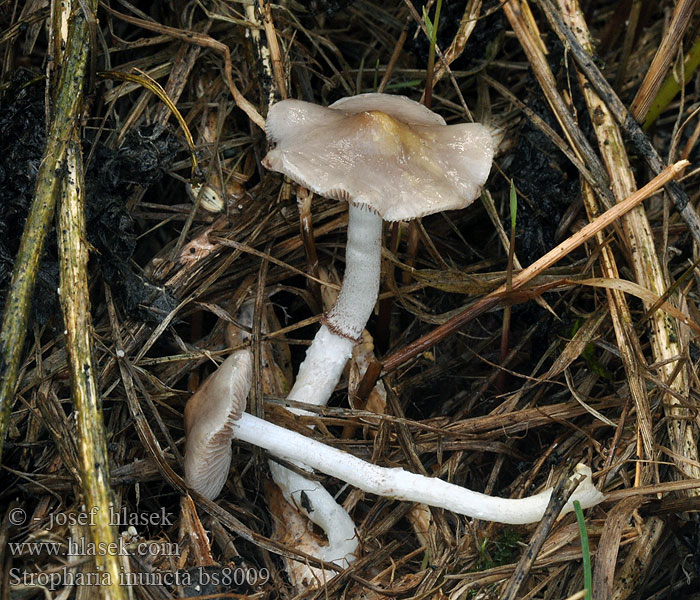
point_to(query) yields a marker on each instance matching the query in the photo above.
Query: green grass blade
(585, 551)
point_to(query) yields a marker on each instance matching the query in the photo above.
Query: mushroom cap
(400, 108)
(209, 417)
(386, 152)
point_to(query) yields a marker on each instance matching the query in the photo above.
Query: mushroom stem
(322, 510)
(398, 483)
(322, 367)
(397, 158)
(343, 324)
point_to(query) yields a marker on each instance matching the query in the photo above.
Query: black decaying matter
(111, 178)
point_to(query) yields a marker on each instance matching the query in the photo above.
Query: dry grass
(597, 364)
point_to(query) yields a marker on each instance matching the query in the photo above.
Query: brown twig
(494, 298)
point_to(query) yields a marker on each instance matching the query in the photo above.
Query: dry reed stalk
(66, 111)
(92, 444)
(682, 18)
(262, 52)
(665, 338)
(627, 342)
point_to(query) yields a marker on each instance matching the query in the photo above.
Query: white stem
(400, 484)
(321, 370)
(322, 367)
(358, 293)
(315, 501)
(332, 347)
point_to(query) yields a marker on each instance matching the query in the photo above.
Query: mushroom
(215, 412)
(213, 417)
(390, 158)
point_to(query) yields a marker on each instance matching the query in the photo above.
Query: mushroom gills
(209, 417)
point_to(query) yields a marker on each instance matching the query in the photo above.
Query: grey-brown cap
(209, 417)
(386, 152)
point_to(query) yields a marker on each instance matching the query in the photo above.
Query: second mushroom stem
(400, 484)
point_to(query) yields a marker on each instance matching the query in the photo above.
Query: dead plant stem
(665, 337)
(68, 101)
(92, 444)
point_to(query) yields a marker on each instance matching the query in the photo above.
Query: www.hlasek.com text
(84, 547)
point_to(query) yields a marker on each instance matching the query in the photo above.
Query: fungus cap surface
(385, 152)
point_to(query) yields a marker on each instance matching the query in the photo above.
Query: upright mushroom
(390, 158)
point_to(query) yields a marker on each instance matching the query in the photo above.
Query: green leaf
(513, 205)
(585, 551)
(428, 25)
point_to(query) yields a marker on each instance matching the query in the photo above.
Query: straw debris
(137, 221)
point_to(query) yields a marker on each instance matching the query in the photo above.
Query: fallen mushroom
(215, 411)
(210, 418)
(400, 484)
